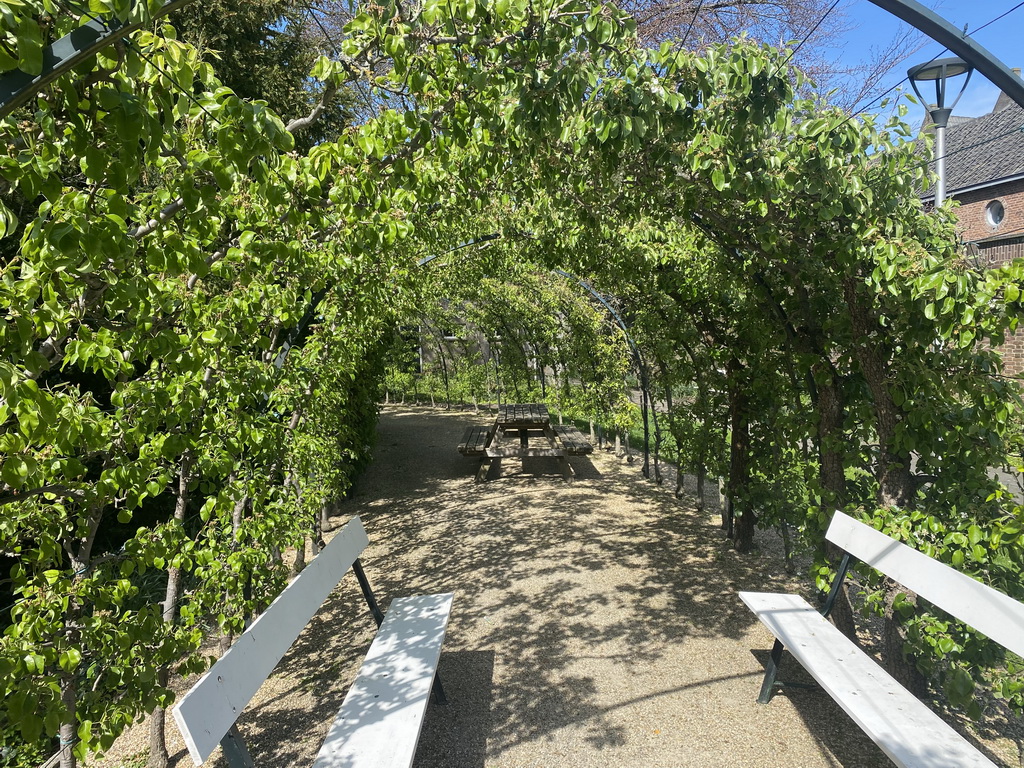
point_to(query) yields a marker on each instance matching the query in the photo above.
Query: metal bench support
(234, 749)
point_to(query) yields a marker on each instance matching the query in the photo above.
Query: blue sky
(871, 26)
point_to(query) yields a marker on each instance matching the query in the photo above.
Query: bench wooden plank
(573, 440)
(524, 414)
(517, 451)
(379, 722)
(474, 441)
(988, 610)
(905, 729)
(210, 708)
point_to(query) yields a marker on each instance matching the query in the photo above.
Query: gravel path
(596, 624)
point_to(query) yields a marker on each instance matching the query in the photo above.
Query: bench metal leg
(485, 467)
(770, 671)
(234, 749)
(438, 689)
(364, 585)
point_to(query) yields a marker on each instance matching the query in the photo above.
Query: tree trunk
(680, 475)
(68, 728)
(300, 549)
(325, 518)
(236, 525)
(739, 470)
(843, 615)
(81, 558)
(787, 547)
(897, 663)
(318, 529)
(895, 480)
(729, 518)
(831, 414)
(158, 757)
(657, 446)
(645, 399)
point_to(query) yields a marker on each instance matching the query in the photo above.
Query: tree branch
(55, 490)
(162, 218)
(326, 98)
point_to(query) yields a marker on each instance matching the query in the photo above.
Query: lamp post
(939, 71)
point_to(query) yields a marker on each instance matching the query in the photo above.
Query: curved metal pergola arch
(61, 56)
(957, 41)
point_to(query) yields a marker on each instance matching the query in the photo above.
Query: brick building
(985, 174)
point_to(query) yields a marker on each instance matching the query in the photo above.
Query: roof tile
(984, 149)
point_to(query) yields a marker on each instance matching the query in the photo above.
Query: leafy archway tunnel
(196, 312)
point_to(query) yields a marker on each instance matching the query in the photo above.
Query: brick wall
(1012, 353)
(993, 254)
(1000, 250)
(973, 225)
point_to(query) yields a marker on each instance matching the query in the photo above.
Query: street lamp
(938, 71)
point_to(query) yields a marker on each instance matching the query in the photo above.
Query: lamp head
(939, 71)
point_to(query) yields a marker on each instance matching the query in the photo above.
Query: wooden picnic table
(523, 421)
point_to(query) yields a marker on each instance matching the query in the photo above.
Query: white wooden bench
(379, 722)
(905, 729)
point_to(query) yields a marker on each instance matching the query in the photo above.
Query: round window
(994, 213)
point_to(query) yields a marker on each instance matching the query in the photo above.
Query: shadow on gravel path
(596, 624)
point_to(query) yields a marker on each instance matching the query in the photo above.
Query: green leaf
(975, 534)
(85, 731)
(30, 48)
(15, 471)
(70, 659)
(31, 727)
(8, 221)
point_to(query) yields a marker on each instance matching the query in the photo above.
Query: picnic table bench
(474, 441)
(379, 722)
(903, 726)
(573, 441)
(523, 421)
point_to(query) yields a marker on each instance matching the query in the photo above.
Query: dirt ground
(596, 624)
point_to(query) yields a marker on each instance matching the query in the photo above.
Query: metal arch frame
(957, 41)
(17, 87)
